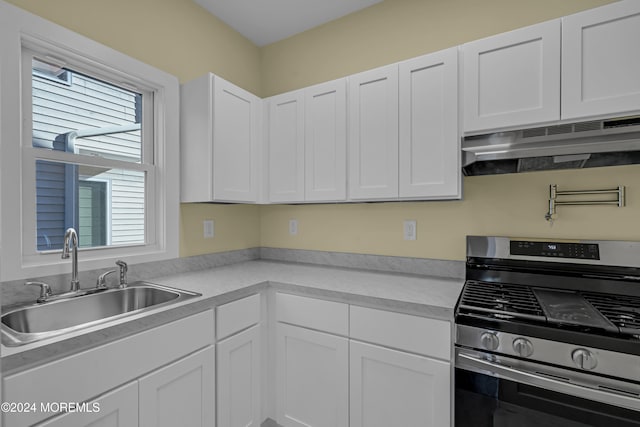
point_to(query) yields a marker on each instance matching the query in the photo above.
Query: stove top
(584, 311)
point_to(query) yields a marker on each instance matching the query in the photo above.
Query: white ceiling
(267, 21)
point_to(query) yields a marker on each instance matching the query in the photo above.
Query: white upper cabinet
(373, 134)
(220, 133)
(307, 144)
(236, 136)
(325, 142)
(429, 130)
(512, 79)
(286, 147)
(601, 61)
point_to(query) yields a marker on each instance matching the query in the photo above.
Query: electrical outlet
(208, 230)
(293, 227)
(410, 230)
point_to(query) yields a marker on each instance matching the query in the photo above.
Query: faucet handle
(100, 283)
(45, 290)
(123, 273)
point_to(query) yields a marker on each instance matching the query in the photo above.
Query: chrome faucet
(123, 273)
(71, 239)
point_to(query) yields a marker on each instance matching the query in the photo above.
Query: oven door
(496, 391)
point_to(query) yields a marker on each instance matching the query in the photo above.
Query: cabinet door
(326, 142)
(601, 61)
(239, 380)
(373, 134)
(118, 408)
(286, 147)
(180, 394)
(393, 388)
(235, 143)
(312, 378)
(429, 131)
(512, 79)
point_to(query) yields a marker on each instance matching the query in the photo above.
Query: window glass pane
(105, 206)
(80, 114)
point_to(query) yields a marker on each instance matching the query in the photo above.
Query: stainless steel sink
(39, 321)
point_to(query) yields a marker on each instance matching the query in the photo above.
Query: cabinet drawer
(430, 337)
(238, 315)
(313, 313)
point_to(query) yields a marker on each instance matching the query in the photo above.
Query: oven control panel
(494, 344)
(555, 249)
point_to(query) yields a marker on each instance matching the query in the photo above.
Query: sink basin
(39, 321)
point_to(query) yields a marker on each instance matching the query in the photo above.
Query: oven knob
(523, 347)
(489, 340)
(584, 359)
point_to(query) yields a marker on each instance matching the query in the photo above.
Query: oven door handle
(523, 376)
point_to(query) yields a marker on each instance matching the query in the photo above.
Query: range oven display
(555, 249)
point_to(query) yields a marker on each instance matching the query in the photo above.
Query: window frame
(32, 154)
(22, 32)
(108, 189)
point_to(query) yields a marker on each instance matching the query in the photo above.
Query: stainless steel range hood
(567, 146)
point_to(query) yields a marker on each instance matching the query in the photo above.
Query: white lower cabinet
(325, 375)
(238, 382)
(180, 394)
(394, 388)
(312, 378)
(118, 408)
(171, 366)
(400, 375)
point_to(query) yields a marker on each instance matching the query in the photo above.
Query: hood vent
(597, 143)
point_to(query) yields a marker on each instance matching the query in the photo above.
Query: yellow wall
(183, 39)
(510, 205)
(495, 205)
(236, 227)
(395, 30)
(179, 37)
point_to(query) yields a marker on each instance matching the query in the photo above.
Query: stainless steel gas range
(548, 334)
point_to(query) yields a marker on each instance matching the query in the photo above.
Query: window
(88, 117)
(88, 139)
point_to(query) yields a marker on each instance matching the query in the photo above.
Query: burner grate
(621, 310)
(501, 300)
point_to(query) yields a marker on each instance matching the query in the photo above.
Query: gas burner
(500, 301)
(622, 311)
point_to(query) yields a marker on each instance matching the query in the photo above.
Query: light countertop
(427, 296)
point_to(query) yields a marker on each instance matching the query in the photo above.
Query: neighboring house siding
(50, 188)
(58, 109)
